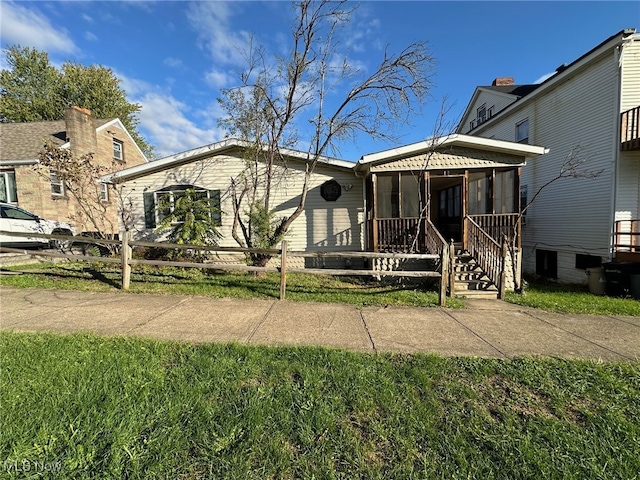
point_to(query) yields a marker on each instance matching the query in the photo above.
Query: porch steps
(470, 279)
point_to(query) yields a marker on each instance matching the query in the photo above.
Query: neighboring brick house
(20, 144)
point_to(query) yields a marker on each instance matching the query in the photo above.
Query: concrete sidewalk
(484, 329)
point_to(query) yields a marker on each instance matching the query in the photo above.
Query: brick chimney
(81, 130)
(502, 82)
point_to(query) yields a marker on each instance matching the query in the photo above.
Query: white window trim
(119, 150)
(171, 194)
(58, 182)
(481, 119)
(11, 194)
(104, 192)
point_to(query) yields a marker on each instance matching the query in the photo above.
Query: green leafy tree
(190, 219)
(32, 89)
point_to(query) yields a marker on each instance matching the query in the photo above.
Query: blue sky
(173, 57)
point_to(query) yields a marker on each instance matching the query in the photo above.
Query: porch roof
(448, 142)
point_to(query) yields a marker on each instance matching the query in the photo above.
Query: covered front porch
(460, 194)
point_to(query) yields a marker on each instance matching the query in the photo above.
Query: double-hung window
(159, 204)
(57, 185)
(482, 114)
(118, 150)
(104, 192)
(8, 190)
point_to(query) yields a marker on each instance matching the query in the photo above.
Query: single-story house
(414, 198)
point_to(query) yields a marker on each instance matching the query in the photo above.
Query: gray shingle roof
(23, 141)
(518, 90)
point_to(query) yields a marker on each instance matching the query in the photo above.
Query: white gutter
(489, 144)
(213, 148)
(11, 163)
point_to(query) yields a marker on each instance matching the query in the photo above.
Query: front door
(446, 211)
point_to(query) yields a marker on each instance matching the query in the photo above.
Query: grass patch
(169, 280)
(573, 299)
(127, 408)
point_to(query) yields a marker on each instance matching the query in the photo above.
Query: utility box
(618, 275)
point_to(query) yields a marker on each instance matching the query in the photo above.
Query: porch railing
(435, 243)
(630, 129)
(627, 236)
(498, 225)
(398, 235)
(490, 255)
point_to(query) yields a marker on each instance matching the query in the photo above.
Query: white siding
(630, 97)
(571, 215)
(322, 226)
(497, 100)
(627, 205)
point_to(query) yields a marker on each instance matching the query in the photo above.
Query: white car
(16, 219)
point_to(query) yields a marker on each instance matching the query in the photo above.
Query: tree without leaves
(80, 177)
(33, 90)
(273, 101)
(573, 166)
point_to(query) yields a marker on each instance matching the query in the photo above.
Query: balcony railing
(630, 129)
(627, 235)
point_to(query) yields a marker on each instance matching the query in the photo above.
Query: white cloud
(173, 62)
(30, 28)
(219, 79)
(90, 36)
(167, 122)
(87, 18)
(212, 21)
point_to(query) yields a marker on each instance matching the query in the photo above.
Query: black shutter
(216, 213)
(149, 210)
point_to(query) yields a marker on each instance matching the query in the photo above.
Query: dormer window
(118, 152)
(482, 114)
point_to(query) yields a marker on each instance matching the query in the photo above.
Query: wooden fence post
(283, 269)
(503, 274)
(444, 278)
(452, 268)
(126, 257)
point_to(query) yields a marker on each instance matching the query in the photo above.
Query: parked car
(16, 219)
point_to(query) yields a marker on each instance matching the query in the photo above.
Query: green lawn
(147, 279)
(92, 407)
(316, 288)
(573, 299)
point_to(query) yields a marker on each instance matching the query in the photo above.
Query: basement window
(547, 263)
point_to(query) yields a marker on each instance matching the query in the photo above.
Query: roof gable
(23, 141)
(464, 149)
(562, 72)
(218, 148)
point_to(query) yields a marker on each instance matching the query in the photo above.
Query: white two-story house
(587, 112)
